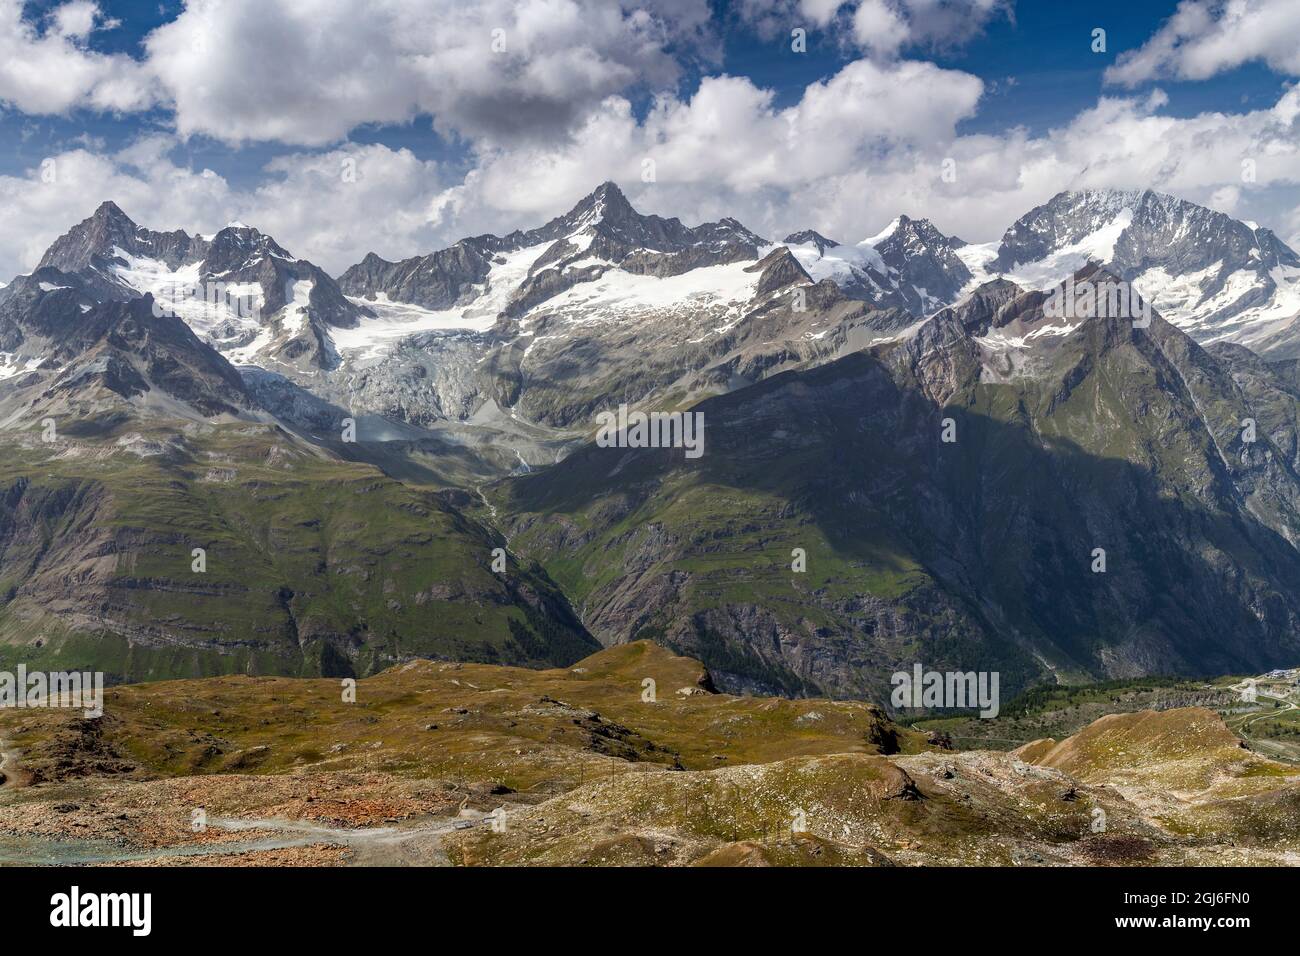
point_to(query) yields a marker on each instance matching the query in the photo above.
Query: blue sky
(1045, 48)
(199, 114)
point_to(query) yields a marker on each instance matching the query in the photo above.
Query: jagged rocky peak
(604, 203)
(605, 233)
(727, 231)
(237, 246)
(606, 214)
(1212, 275)
(109, 216)
(604, 211)
(975, 312)
(1135, 229)
(439, 280)
(110, 237)
(1067, 219)
(923, 263)
(908, 233)
(110, 228)
(810, 237)
(230, 287)
(514, 273)
(778, 269)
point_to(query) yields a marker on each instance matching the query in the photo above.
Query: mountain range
(949, 452)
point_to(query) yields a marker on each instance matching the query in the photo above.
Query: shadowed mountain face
(983, 550)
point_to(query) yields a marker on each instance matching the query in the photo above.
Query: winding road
(1263, 745)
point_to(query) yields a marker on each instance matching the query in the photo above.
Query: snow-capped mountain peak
(1215, 277)
(883, 234)
(477, 281)
(605, 199)
(239, 289)
(909, 265)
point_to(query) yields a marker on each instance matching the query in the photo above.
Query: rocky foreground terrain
(468, 764)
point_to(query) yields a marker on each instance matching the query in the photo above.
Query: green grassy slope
(313, 565)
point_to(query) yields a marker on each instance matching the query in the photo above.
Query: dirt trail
(418, 845)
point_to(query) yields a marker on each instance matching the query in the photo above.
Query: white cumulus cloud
(1207, 37)
(46, 68)
(501, 70)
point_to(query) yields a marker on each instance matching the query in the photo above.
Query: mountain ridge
(491, 402)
